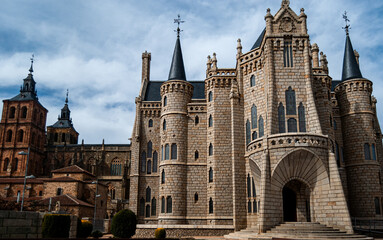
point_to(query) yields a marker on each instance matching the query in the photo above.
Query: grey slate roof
(350, 66)
(257, 44)
(334, 84)
(64, 123)
(153, 90)
(177, 69)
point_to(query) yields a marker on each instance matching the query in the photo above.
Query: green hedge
(124, 224)
(56, 226)
(84, 228)
(160, 233)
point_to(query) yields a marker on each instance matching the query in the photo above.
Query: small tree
(56, 226)
(84, 228)
(160, 233)
(124, 224)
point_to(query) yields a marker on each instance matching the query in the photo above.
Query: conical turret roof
(177, 69)
(350, 66)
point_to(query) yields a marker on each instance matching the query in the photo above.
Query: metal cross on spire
(347, 27)
(178, 21)
(32, 59)
(66, 99)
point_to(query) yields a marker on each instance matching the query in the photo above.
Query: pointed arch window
(150, 123)
(248, 186)
(143, 161)
(115, 167)
(281, 118)
(248, 132)
(20, 136)
(253, 185)
(252, 81)
(211, 205)
(148, 194)
(12, 112)
(290, 102)
(169, 206)
(5, 165)
(196, 155)
(249, 206)
(24, 112)
(163, 176)
(9, 135)
(211, 149)
(210, 175)
(254, 135)
(154, 207)
(147, 211)
(164, 125)
(373, 152)
(162, 153)
(253, 116)
(196, 120)
(142, 207)
(150, 145)
(292, 125)
(163, 205)
(166, 151)
(302, 118)
(174, 151)
(210, 121)
(210, 97)
(165, 101)
(155, 161)
(149, 167)
(261, 127)
(367, 155)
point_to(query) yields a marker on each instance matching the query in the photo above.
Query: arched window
(196, 155)
(56, 137)
(253, 116)
(252, 81)
(377, 206)
(337, 154)
(142, 207)
(302, 118)
(292, 125)
(196, 120)
(163, 205)
(16, 165)
(255, 210)
(148, 194)
(166, 151)
(248, 132)
(281, 118)
(210, 121)
(150, 149)
(62, 137)
(195, 197)
(150, 123)
(112, 191)
(211, 205)
(373, 152)
(174, 151)
(367, 155)
(169, 204)
(211, 149)
(249, 206)
(164, 125)
(163, 176)
(24, 112)
(12, 112)
(9, 135)
(162, 153)
(115, 167)
(20, 136)
(5, 164)
(210, 175)
(261, 127)
(155, 161)
(147, 211)
(149, 167)
(290, 102)
(165, 101)
(143, 161)
(253, 185)
(254, 135)
(210, 98)
(59, 191)
(154, 207)
(248, 186)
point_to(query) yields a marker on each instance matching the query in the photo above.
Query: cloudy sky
(93, 48)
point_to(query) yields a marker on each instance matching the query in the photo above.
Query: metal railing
(368, 226)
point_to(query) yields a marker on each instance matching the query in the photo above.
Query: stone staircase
(295, 230)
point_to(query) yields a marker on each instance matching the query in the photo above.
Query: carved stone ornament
(286, 25)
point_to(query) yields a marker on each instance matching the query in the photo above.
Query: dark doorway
(289, 205)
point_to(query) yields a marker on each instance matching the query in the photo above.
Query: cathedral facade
(271, 140)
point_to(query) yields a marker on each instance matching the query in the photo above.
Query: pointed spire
(350, 66)
(31, 68)
(66, 99)
(177, 69)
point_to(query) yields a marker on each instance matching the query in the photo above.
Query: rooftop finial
(178, 21)
(31, 68)
(285, 3)
(66, 99)
(347, 27)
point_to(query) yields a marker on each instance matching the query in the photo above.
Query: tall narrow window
(302, 118)
(253, 116)
(373, 152)
(5, 165)
(12, 112)
(249, 206)
(24, 112)
(255, 210)
(196, 120)
(62, 137)
(16, 161)
(169, 206)
(211, 149)
(210, 175)
(162, 153)
(261, 127)
(196, 155)
(148, 194)
(288, 54)
(248, 186)
(142, 207)
(165, 101)
(377, 206)
(155, 161)
(150, 149)
(166, 151)
(254, 135)
(163, 176)
(174, 151)
(164, 125)
(335, 126)
(253, 185)
(20, 136)
(154, 206)
(290, 102)
(210, 97)
(367, 155)
(292, 125)
(149, 167)
(9, 135)
(143, 161)
(211, 205)
(115, 167)
(281, 118)
(147, 211)
(337, 154)
(210, 121)
(195, 197)
(163, 205)
(252, 81)
(59, 191)
(248, 132)
(150, 124)
(341, 154)
(56, 138)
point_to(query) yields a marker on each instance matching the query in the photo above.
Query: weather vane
(178, 21)
(66, 99)
(32, 59)
(347, 27)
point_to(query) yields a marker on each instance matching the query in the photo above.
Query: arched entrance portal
(296, 202)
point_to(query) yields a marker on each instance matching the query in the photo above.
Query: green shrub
(96, 234)
(84, 228)
(160, 233)
(124, 224)
(56, 226)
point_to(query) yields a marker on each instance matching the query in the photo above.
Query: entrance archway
(296, 202)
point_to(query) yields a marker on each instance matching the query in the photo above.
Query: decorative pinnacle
(66, 99)
(32, 59)
(178, 21)
(347, 27)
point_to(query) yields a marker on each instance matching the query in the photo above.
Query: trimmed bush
(96, 234)
(56, 226)
(84, 228)
(160, 233)
(124, 224)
